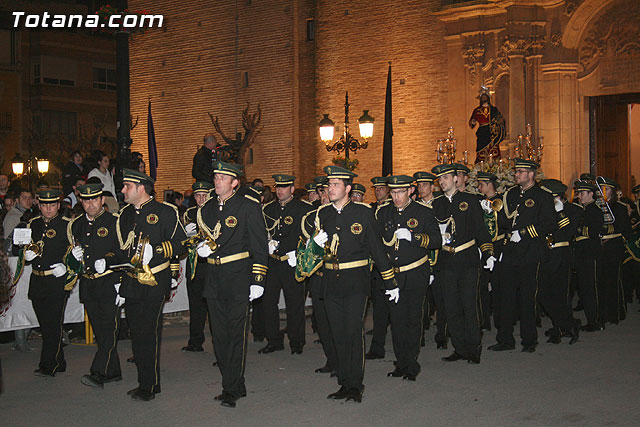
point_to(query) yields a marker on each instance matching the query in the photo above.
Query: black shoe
(474, 360)
(192, 349)
(324, 370)
(131, 359)
(441, 345)
(409, 377)
(221, 395)
(423, 340)
(370, 332)
(354, 395)
(501, 347)
(486, 327)
(554, 339)
(548, 332)
(528, 348)
(340, 394)
(228, 401)
(143, 395)
(296, 350)
(92, 380)
(270, 348)
(592, 327)
(453, 357)
(578, 307)
(40, 372)
(258, 338)
(317, 341)
(371, 355)
(133, 391)
(575, 332)
(106, 379)
(396, 373)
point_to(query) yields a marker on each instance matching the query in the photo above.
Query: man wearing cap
(587, 250)
(47, 283)
(150, 235)
(357, 193)
(463, 232)
(434, 299)
(93, 235)
(463, 176)
(496, 224)
(530, 214)
(611, 304)
(409, 230)
(349, 234)
(556, 266)
(312, 195)
(381, 318)
(196, 271)
(283, 217)
(237, 252)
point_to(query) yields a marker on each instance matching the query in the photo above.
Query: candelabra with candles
(527, 148)
(446, 149)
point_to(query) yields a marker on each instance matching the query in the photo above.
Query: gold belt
(581, 238)
(42, 273)
(346, 265)
(154, 270)
(411, 266)
(559, 245)
(96, 275)
(459, 248)
(228, 258)
(611, 236)
(280, 258)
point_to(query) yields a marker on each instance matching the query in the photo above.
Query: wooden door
(612, 140)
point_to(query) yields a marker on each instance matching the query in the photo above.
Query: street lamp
(21, 167)
(346, 142)
(17, 165)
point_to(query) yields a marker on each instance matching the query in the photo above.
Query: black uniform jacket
(425, 235)
(588, 234)
(531, 213)
(284, 223)
(241, 229)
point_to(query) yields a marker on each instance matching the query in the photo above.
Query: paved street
(594, 382)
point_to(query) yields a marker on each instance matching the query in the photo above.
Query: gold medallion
(463, 206)
(51, 233)
(231, 221)
(412, 223)
(288, 220)
(103, 232)
(529, 203)
(152, 219)
(356, 228)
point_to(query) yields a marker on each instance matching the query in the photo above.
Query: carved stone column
(514, 49)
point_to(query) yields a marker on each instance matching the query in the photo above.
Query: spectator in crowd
(142, 167)
(202, 169)
(72, 198)
(4, 188)
(23, 203)
(267, 195)
(102, 171)
(258, 183)
(71, 171)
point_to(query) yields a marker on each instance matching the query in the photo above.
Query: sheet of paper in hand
(21, 236)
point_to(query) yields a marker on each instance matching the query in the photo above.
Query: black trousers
(281, 276)
(229, 324)
(322, 323)
(381, 317)
(346, 319)
(630, 276)
(145, 323)
(197, 305)
(99, 298)
(406, 328)
(442, 334)
(484, 299)
(50, 314)
(611, 305)
(257, 319)
(553, 294)
(460, 291)
(586, 272)
(518, 289)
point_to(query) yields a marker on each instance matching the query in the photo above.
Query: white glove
(431, 279)
(119, 300)
(292, 258)
(204, 250)
(403, 233)
(29, 255)
(255, 292)
(490, 263)
(147, 254)
(515, 236)
(443, 228)
(558, 205)
(77, 252)
(273, 245)
(191, 229)
(100, 265)
(321, 238)
(174, 283)
(394, 294)
(486, 206)
(59, 269)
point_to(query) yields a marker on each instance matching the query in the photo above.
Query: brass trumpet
(142, 271)
(193, 241)
(36, 247)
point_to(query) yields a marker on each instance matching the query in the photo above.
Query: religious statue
(491, 129)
